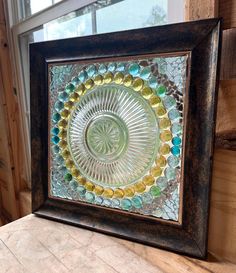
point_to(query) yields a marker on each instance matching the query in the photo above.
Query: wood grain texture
(33, 244)
(228, 54)
(227, 10)
(200, 9)
(25, 202)
(222, 230)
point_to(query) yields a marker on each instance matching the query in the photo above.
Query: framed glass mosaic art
(122, 132)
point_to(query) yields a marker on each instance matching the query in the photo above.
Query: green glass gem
(68, 177)
(126, 204)
(56, 117)
(137, 202)
(89, 196)
(155, 191)
(70, 88)
(59, 105)
(161, 90)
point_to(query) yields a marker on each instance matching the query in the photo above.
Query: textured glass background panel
(116, 133)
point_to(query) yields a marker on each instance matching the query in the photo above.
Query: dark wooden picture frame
(202, 40)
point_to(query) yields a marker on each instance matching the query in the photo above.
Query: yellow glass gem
(65, 153)
(164, 123)
(147, 92)
(89, 83)
(161, 161)
(74, 97)
(63, 144)
(98, 190)
(81, 180)
(80, 89)
(69, 164)
(98, 80)
(138, 84)
(161, 111)
(148, 180)
(166, 135)
(164, 149)
(118, 193)
(129, 191)
(62, 134)
(68, 105)
(108, 192)
(65, 113)
(89, 185)
(128, 79)
(62, 123)
(139, 187)
(118, 77)
(108, 77)
(75, 172)
(156, 171)
(154, 100)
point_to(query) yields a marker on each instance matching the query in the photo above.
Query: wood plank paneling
(227, 10)
(200, 9)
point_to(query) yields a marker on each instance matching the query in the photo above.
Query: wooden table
(33, 244)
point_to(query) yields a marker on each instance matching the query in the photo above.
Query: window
(36, 21)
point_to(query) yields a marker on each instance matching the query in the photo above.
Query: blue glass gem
(73, 184)
(63, 96)
(175, 150)
(59, 159)
(91, 70)
(174, 114)
(106, 202)
(75, 81)
(120, 67)
(59, 105)
(176, 141)
(173, 161)
(169, 102)
(70, 88)
(81, 190)
(55, 149)
(162, 182)
(55, 131)
(98, 200)
(89, 196)
(55, 139)
(147, 198)
(126, 204)
(153, 82)
(137, 202)
(176, 128)
(56, 117)
(145, 73)
(102, 69)
(115, 203)
(83, 76)
(134, 69)
(111, 67)
(170, 173)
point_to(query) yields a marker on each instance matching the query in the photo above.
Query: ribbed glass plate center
(113, 135)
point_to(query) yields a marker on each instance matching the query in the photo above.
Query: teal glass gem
(59, 159)
(56, 117)
(55, 149)
(82, 76)
(59, 105)
(75, 81)
(70, 88)
(169, 102)
(126, 204)
(176, 141)
(89, 196)
(120, 67)
(102, 69)
(111, 67)
(145, 73)
(68, 177)
(176, 128)
(173, 161)
(98, 200)
(161, 91)
(73, 184)
(63, 170)
(174, 114)
(147, 198)
(152, 82)
(55, 139)
(91, 70)
(155, 191)
(63, 96)
(170, 173)
(175, 150)
(137, 202)
(134, 69)
(81, 190)
(161, 182)
(55, 131)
